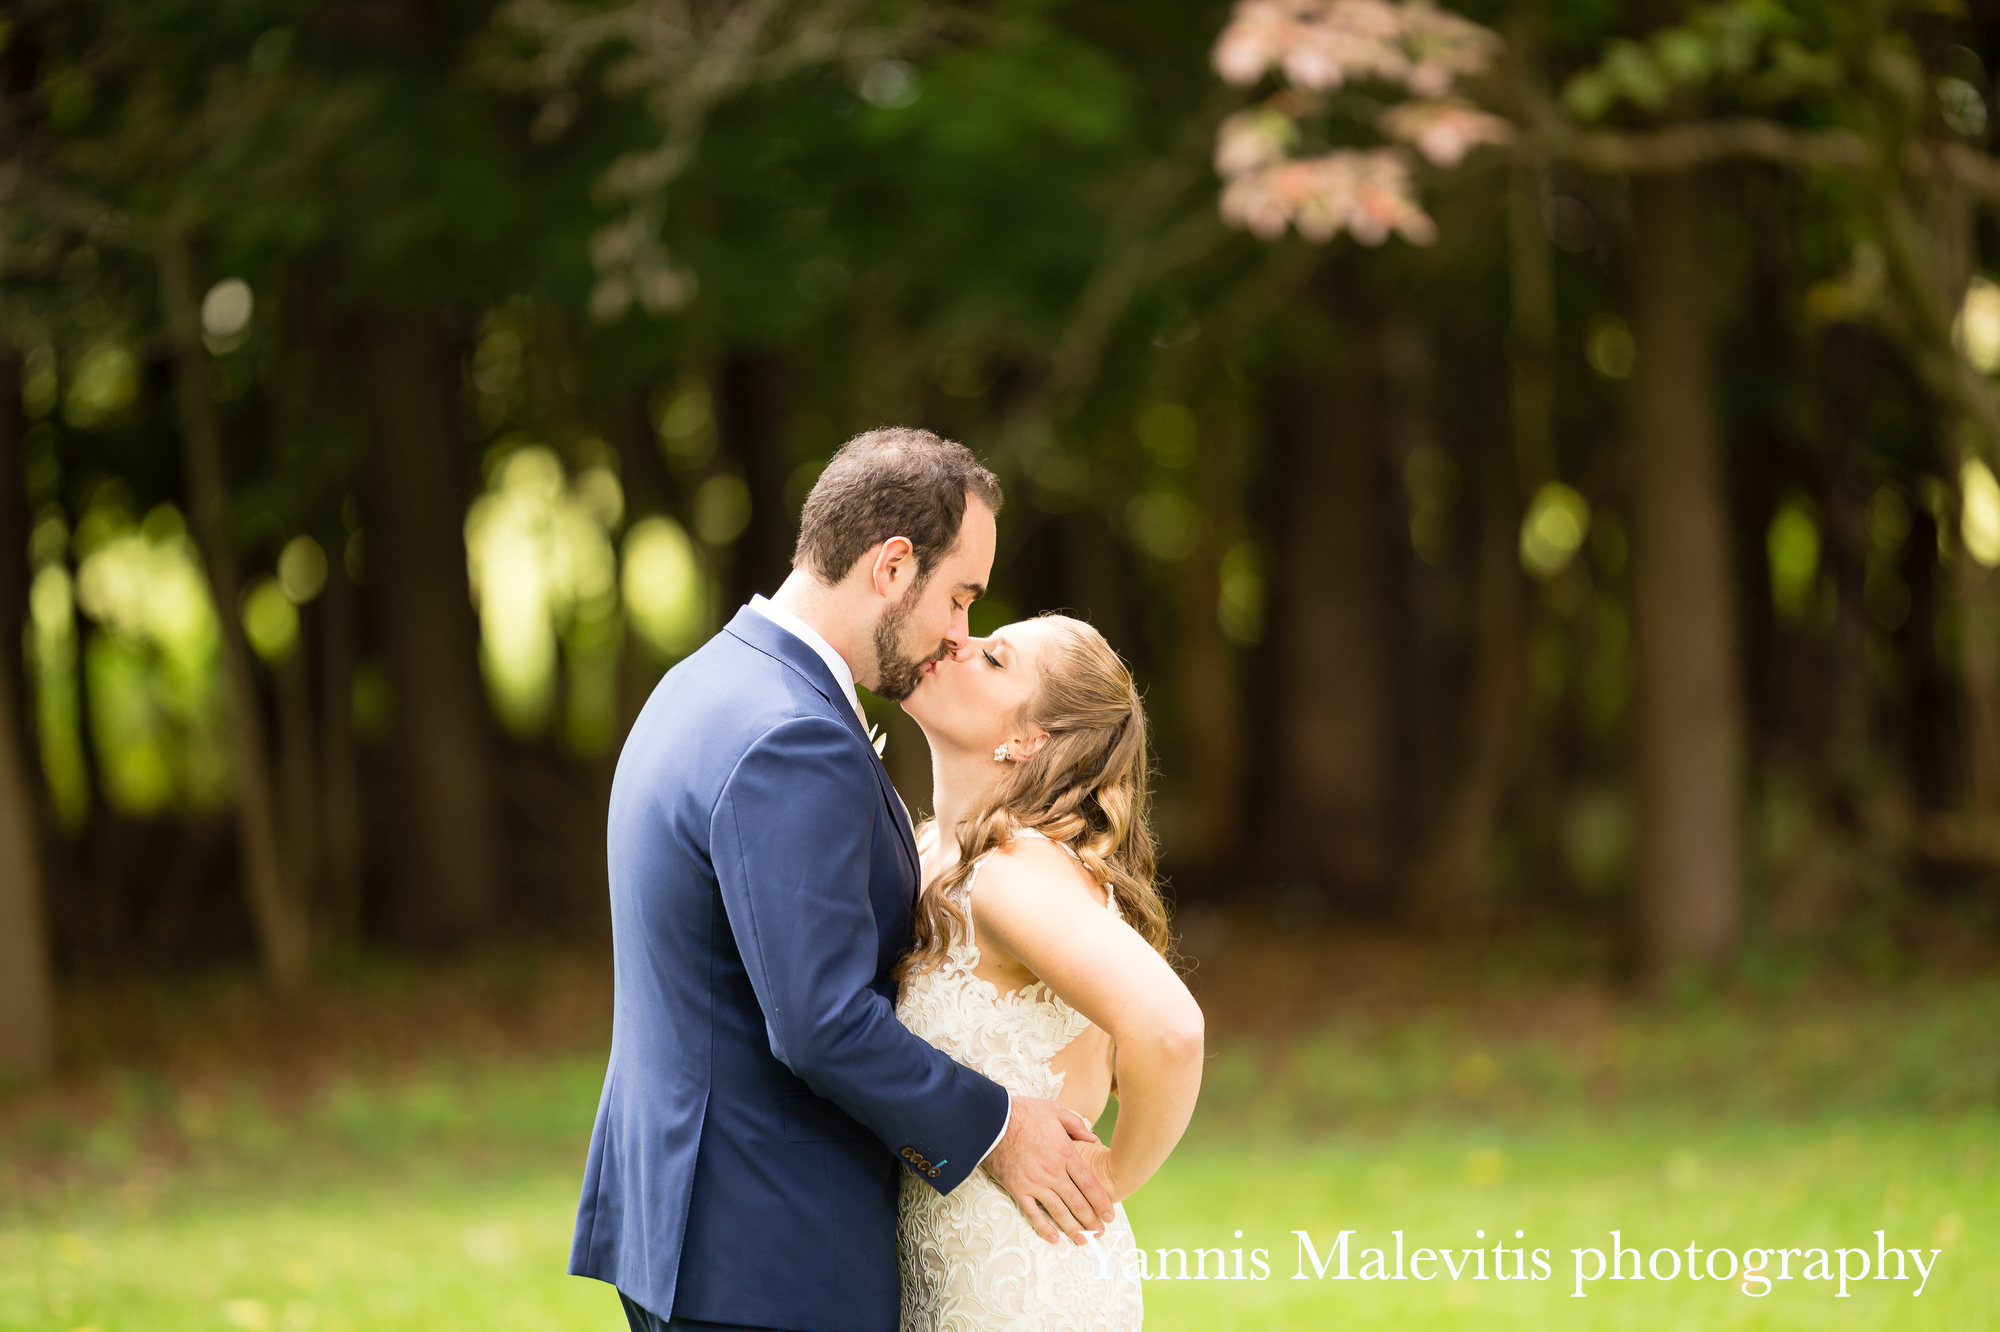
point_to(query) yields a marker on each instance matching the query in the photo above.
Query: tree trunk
(1951, 252)
(417, 491)
(1847, 743)
(1978, 591)
(1683, 625)
(1211, 715)
(15, 523)
(27, 992)
(1532, 291)
(1097, 578)
(340, 766)
(1452, 882)
(642, 469)
(1332, 810)
(1928, 749)
(298, 776)
(649, 491)
(749, 425)
(276, 907)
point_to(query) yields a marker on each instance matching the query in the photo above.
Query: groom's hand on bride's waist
(1036, 1160)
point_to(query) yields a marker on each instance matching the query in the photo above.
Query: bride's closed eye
(991, 660)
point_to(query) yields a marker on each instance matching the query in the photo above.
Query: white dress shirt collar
(843, 674)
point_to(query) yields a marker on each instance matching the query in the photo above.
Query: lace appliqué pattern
(970, 1260)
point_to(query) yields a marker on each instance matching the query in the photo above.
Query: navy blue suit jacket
(762, 1097)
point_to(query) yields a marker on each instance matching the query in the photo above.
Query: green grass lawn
(1928, 1182)
(438, 1251)
(439, 1246)
(440, 1197)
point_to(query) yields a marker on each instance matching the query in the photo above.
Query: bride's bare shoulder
(1034, 866)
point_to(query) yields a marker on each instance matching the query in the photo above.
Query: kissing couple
(854, 1065)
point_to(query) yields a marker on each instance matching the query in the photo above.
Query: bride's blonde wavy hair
(1084, 788)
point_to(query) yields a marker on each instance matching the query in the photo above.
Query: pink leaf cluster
(1366, 192)
(1248, 140)
(1321, 44)
(1444, 132)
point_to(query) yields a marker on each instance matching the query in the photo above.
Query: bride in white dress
(1038, 961)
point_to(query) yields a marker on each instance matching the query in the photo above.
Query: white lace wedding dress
(970, 1260)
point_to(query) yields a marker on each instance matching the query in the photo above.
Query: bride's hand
(1097, 1156)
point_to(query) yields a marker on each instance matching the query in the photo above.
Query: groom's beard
(896, 673)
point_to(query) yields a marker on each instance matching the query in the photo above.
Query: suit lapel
(777, 641)
(899, 815)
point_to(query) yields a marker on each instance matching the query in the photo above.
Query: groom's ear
(894, 568)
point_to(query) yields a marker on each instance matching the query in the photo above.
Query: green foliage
(1762, 51)
(1001, 222)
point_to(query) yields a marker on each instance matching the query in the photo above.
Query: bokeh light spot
(270, 620)
(1163, 524)
(1979, 519)
(105, 383)
(150, 670)
(1239, 605)
(302, 569)
(1977, 328)
(225, 311)
(1608, 346)
(545, 578)
(1169, 432)
(1792, 544)
(664, 593)
(889, 84)
(721, 508)
(1555, 526)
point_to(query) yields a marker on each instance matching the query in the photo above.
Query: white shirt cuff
(1002, 1133)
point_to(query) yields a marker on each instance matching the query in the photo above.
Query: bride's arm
(1034, 903)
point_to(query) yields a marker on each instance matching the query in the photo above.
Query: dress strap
(965, 888)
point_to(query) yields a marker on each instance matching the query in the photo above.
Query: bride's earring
(1000, 754)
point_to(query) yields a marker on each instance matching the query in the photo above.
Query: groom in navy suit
(762, 1096)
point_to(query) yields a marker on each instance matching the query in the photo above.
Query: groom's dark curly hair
(895, 482)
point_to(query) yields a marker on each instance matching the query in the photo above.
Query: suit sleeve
(792, 842)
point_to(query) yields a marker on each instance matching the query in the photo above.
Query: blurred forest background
(1539, 457)
(1539, 463)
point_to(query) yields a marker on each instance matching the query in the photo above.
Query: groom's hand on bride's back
(1036, 1160)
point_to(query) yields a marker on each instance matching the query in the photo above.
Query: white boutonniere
(879, 738)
